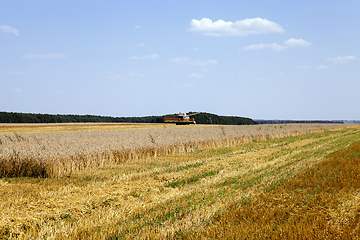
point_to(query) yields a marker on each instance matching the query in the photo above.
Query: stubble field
(163, 181)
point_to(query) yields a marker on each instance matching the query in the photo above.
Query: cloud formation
(322, 67)
(194, 75)
(189, 61)
(152, 56)
(9, 29)
(292, 42)
(272, 46)
(244, 27)
(43, 56)
(341, 59)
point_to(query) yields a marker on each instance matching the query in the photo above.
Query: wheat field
(184, 182)
(55, 150)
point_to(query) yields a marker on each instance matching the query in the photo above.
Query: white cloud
(190, 85)
(194, 75)
(341, 59)
(140, 45)
(138, 26)
(152, 56)
(322, 67)
(272, 46)
(43, 56)
(244, 27)
(292, 42)
(190, 61)
(9, 29)
(211, 62)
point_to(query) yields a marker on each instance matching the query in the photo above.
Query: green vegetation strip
(191, 180)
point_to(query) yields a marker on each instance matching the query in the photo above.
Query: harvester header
(182, 119)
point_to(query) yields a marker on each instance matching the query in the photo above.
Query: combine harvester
(182, 119)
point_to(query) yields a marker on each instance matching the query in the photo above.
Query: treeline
(204, 118)
(294, 121)
(10, 117)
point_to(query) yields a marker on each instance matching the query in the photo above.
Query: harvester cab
(182, 119)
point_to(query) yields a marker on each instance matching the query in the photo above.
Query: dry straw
(56, 154)
(321, 203)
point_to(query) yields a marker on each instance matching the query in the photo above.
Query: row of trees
(204, 118)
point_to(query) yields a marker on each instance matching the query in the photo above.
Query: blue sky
(259, 59)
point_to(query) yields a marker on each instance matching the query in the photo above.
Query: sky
(258, 59)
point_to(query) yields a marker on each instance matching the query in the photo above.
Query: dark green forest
(204, 118)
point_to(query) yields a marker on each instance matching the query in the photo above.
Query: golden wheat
(59, 153)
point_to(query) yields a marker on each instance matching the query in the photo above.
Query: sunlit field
(6, 128)
(56, 150)
(86, 181)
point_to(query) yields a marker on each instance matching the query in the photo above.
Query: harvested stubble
(164, 197)
(321, 203)
(55, 154)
